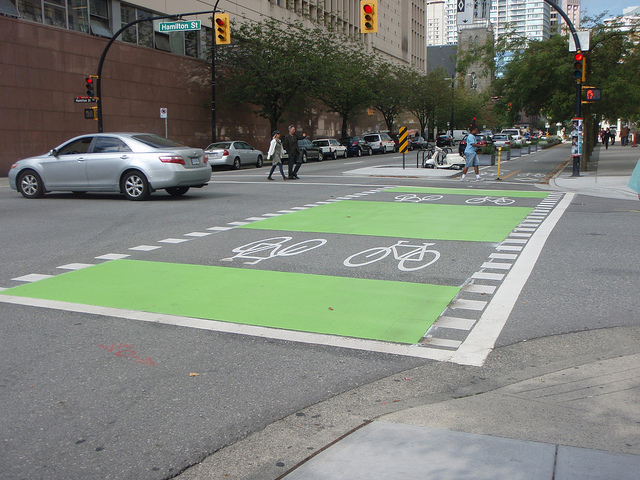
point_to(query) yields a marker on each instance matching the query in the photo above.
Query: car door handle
(81, 159)
(124, 157)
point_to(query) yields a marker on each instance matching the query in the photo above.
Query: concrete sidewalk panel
(583, 464)
(407, 452)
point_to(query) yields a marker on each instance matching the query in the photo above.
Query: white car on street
(330, 148)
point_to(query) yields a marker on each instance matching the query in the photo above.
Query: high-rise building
(528, 19)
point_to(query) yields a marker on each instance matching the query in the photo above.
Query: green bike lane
(372, 306)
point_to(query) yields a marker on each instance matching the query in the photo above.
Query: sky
(595, 7)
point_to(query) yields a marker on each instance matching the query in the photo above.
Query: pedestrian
(624, 136)
(471, 154)
(290, 144)
(634, 181)
(605, 138)
(275, 154)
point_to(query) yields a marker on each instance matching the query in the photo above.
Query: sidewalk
(560, 426)
(607, 174)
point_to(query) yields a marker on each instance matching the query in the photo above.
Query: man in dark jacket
(290, 144)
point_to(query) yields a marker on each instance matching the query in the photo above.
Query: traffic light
(91, 113)
(223, 29)
(593, 94)
(90, 85)
(578, 67)
(368, 16)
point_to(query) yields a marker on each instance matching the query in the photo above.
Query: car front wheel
(135, 186)
(236, 164)
(30, 184)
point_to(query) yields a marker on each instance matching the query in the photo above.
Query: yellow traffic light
(223, 29)
(368, 16)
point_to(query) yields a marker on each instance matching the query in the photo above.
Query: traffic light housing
(368, 16)
(90, 85)
(91, 113)
(223, 29)
(578, 67)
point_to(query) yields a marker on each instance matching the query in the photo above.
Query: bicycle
(416, 254)
(411, 197)
(274, 247)
(496, 200)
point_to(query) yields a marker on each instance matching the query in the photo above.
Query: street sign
(85, 99)
(403, 140)
(180, 26)
(163, 112)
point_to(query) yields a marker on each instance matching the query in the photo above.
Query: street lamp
(453, 84)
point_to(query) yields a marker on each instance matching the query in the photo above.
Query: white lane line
(455, 323)
(464, 304)
(113, 256)
(480, 342)
(174, 240)
(440, 342)
(497, 265)
(503, 256)
(273, 214)
(220, 229)
(254, 219)
(31, 277)
(198, 234)
(479, 288)
(75, 266)
(145, 248)
(238, 224)
(508, 248)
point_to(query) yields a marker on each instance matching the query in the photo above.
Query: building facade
(49, 47)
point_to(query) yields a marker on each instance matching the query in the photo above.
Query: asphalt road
(75, 406)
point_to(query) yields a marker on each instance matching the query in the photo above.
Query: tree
(389, 91)
(267, 67)
(427, 96)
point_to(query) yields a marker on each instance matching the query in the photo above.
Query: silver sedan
(234, 154)
(134, 164)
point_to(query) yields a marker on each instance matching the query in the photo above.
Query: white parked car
(331, 148)
(380, 142)
(516, 138)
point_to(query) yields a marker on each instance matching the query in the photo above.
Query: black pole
(213, 75)
(113, 39)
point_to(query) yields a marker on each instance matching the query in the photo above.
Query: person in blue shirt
(471, 154)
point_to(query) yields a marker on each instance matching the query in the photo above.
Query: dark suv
(308, 151)
(356, 146)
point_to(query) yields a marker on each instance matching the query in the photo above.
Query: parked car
(517, 138)
(380, 142)
(356, 146)
(502, 140)
(308, 151)
(444, 140)
(418, 142)
(134, 164)
(482, 140)
(234, 154)
(330, 148)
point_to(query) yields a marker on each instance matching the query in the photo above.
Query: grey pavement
(578, 418)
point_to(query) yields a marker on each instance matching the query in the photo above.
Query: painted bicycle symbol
(271, 248)
(529, 177)
(415, 258)
(496, 200)
(410, 197)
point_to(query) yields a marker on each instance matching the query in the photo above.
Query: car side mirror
(53, 152)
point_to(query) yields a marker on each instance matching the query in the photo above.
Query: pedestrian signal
(223, 29)
(368, 16)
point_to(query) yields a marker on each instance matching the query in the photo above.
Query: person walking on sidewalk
(275, 154)
(471, 154)
(624, 136)
(290, 144)
(605, 138)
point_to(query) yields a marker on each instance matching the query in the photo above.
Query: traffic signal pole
(130, 24)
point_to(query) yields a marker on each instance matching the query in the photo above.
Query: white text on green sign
(180, 26)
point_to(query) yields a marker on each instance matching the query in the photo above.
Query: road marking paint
(481, 340)
(145, 248)
(524, 229)
(496, 265)
(254, 219)
(487, 276)
(220, 229)
(508, 248)
(515, 240)
(113, 256)
(174, 240)
(75, 266)
(503, 256)
(441, 342)
(455, 323)
(238, 224)
(512, 174)
(198, 234)
(479, 288)
(31, 277)
(521, 235)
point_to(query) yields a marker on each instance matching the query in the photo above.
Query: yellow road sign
(403, 140)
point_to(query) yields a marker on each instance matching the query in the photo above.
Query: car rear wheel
(259, 162)
(335, 155)
(346, 153)
(135, 186)
(236, 164)
(304, 157)
(359, 152)
(370, 151)
(30, 184)
(177, 191)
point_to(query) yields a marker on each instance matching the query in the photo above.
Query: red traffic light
(578, 57)
(220, 22)
(367, 8)
(89, 80)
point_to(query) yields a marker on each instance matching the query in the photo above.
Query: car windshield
(157, 142)
(371, 138)
(500, 137)
(384, 136)
(219, 146)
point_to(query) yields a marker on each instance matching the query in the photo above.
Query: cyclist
(471, 155)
